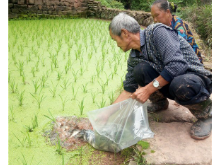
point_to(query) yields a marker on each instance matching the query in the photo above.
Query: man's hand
(141, 94)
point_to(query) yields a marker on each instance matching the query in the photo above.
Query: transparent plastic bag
(119, 126)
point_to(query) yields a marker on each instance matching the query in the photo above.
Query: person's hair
(164, 5)
(123, 21)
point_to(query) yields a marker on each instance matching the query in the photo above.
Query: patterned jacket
(167, 52)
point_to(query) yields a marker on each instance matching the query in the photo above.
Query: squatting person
(161, 11)
(162, 65)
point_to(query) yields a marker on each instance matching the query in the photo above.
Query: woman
(161, 11)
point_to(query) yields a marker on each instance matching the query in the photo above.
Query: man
(163, 65)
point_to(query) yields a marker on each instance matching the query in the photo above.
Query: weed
(138, 157)
(143, 144)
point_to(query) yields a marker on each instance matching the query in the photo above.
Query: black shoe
(201, 129)
(158, 106)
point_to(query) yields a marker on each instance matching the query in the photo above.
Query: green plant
(102, 103)
(63, 102)
(59, 147)
(33, 71)
(53, 90)
(143, 144)
(36, 86)
(59, 75)
(81, 106)
(12, 113)
(39, 99)
(138, 157)
(21, 67)
(51, 117)
(21, 98)
(13, 86)
(65, 84)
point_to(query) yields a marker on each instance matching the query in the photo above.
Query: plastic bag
(127, 124)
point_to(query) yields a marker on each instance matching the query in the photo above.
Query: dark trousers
(185, 89)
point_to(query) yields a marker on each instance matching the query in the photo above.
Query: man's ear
(124, 32)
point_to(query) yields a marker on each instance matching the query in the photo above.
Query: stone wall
(75, 8)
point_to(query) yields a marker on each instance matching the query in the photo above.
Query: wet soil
(63, 128)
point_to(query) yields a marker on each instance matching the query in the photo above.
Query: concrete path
(172, 144)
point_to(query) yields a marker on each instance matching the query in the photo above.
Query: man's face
(122, 41)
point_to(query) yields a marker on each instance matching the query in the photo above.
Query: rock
(132, 163)
(175, 112)
(172, 143)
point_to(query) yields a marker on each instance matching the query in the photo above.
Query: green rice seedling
(66, 68)
(29, 128)
(81, 71)
(23, 78)
(111, 97)
(21, 142)
(75, 76)
(74, 92)
(33, 71)
(14, 59)
(9, 77)
(115, 69)
(93, 78)
(29, 57)
(28, 140)
(37, 66)
(13, 86)
(102, 85)
(21, 67)
(84, 88)
(63, 102)
(36, 86)
(24, 162)
(43, 62)
(43, 80)
(51, 117)
(93, 97)
(59, 75)
(12, 113)
(89, 55)
(53, 90)
(102, 103)
(55, 61)
(65, 84)
(81, 106)
(59, 148)
(21, 98)
(35, 122)
(39, 99)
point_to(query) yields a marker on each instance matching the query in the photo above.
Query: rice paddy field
(60, 67)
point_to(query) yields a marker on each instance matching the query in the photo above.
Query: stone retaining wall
(74, 8)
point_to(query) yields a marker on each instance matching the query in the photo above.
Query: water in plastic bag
(118, 126)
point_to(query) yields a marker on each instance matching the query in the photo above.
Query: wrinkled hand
(141, 94)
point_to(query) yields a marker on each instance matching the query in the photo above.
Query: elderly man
(163, 65)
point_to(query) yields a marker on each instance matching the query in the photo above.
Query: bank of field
(57, 68)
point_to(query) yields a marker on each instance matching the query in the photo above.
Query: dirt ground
(62, 130)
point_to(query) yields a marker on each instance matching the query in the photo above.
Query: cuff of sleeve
(166, 75)
(129, 89)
